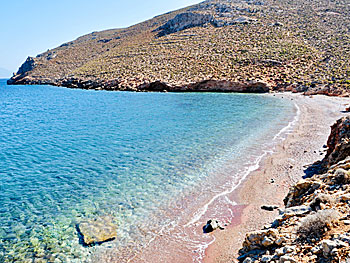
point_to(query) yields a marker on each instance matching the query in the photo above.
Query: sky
(30, 27)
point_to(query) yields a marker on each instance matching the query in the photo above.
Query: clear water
(67, 155)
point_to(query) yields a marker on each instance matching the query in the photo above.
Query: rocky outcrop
(157, 86)
(338, 142)
(22, 72)
(184, 21)
(315, 225)
(98, 230)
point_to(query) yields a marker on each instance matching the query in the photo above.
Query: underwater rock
(97, 230)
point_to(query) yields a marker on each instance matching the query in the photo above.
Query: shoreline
(189, 228)
(284, 166)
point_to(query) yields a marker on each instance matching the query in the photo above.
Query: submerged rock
(97, 230)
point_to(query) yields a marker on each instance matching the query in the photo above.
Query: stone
(269, 207)
(345, 197)
(98, 230)
(296, 211)
(285, 259)
(267, 242)
(279, 252)
(328, 246)
(315, 250)
(260, 234)
(212, 225)
(280, 241)
(266, 258)
(248, 260)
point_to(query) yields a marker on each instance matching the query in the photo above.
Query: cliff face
(315, 224)
(301, 46)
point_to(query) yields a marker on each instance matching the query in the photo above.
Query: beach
(270, 183)
(299, 145)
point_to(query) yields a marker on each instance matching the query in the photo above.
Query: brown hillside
(288, 45)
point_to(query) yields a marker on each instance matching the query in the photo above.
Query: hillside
(303, 46)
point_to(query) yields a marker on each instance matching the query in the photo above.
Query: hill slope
(294, 45)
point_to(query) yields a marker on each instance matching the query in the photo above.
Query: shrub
(314, 225)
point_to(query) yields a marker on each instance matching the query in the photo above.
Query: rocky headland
(299, 46)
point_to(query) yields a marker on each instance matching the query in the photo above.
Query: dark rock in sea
(212, 225)
(98, 230)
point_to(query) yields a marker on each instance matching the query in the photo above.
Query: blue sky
(30, 27)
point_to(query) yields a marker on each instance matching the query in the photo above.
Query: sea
(147, 160)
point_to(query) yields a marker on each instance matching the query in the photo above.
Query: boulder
(269, 207)
(211, 226)
(295, 211)
(98, 230)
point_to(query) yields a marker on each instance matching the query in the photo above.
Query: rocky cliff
(301, 46)
(315, 224)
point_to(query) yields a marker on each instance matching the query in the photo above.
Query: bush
(314, 225)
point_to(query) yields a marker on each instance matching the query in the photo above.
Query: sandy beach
(270, 183)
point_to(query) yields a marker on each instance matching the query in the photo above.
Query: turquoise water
(67, 155)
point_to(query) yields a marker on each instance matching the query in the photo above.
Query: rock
(279, 251)
(211, 226)
(285, 259)
(315, 250)
(296, 211)
(26, 67)
(288, 249)
(345, 237)
(267, 242)
(97, 230)
(260, 239)
(329, 245)
(269, 207)
(184, 21)
(345, 197)
(266, 258)
(277, 24)
(338, 146)
(248, 260)
(280, 241)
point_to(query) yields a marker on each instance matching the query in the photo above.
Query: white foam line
(202, 210)
(290, 124)
(250, 169)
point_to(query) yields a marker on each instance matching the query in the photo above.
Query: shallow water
(67, 155)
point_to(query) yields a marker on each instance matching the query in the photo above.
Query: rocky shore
(157, 86)
(314, 225)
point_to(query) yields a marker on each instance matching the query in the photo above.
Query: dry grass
(314, 225)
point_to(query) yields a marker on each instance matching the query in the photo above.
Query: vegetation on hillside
(294, 45)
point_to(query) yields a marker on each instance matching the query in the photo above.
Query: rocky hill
(315, 224)
(303, 46)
